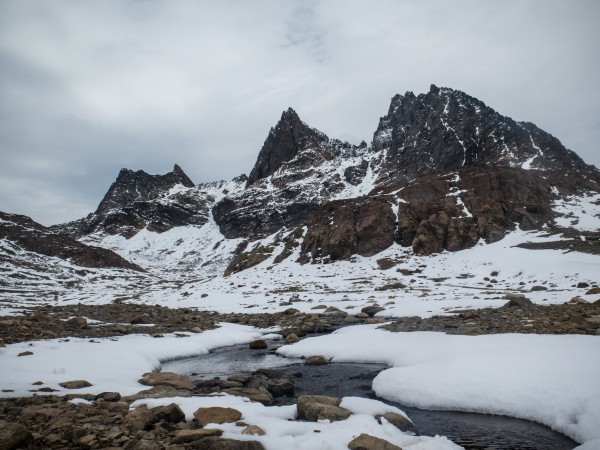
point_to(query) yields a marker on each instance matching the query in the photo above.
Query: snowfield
(110, 364)
(549, 379)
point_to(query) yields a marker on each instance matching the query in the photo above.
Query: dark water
(472, 431)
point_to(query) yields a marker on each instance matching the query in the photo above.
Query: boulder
(14, 436)
(518, 302)
(174, 380)
(259, 344)
(171, 413)
(213, 443)
(185, 436)
(216, 414)
(291, 338)
(319, 407)
(368, 442)
(260, 395)
(401, 422)
(372, 310)
(317, 360)
(538, 288)
(79, 322)
(254, 430)
(278, 387)
(109, 396)
(141, 418)
(592, 291)
(75, 384)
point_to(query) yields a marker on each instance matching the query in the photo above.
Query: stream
(471, 430)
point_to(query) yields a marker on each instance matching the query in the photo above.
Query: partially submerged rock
(317, 360)
(260, 395)
(401, 422)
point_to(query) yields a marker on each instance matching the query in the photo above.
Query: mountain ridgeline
(442, 172)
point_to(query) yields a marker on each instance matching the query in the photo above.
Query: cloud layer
(87, 88)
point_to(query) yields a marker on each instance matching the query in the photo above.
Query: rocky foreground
(107, 420)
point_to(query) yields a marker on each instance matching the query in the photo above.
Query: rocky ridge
(31, 236)
(442, 172)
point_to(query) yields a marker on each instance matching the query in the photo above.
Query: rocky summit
(443, 172)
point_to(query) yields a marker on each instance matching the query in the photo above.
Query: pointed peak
(289, 114)
(182, 176)
(433, 89)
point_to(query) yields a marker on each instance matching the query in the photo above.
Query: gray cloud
(87, 88)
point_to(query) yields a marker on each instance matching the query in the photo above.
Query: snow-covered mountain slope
(29, 278)
(443, 172)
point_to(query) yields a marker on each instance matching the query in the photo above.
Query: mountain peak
(182, 176)
(446, 129)
(133, 186)
(289, 137)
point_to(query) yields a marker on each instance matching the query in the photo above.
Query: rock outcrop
(342, 228)
(446, 129)
(288, 138)
(137, 200)
(456, 170)
(34, 237)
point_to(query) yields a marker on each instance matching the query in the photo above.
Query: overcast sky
(89, 87)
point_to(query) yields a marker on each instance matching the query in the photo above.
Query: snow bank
(110, 364)
(545, 378)
(282, 432)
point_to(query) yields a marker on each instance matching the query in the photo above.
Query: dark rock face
(447, 129)
(33, 237)
(137, 200)
(255, 213)
(452, 212)
(346, 227)
(139, 186)
(289, 137)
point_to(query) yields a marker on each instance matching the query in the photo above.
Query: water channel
(472, 431)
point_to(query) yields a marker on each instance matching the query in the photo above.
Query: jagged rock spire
(283, 143)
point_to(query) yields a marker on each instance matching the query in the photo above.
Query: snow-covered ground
(110, 364)
(579, 212)
(115, 365)
(473, 278)
(282, 432)
(545, 378)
